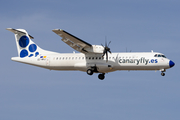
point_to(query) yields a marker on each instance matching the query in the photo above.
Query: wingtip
(57, 30)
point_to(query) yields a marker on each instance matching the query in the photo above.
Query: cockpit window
(159, 55)
(163, 56)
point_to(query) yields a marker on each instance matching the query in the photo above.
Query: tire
(101, 76)
(163, 74)
(89, 72)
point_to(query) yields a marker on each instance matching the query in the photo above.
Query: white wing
(73, 41)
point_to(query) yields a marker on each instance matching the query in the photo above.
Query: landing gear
(89, 72)
(163, 74)
(101, 76)
(94, 69)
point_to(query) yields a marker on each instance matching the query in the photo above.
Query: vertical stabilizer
(25, 46)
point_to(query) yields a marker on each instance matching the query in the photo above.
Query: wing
(73, 41)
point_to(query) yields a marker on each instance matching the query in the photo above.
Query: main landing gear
(101, 76)
(89, 72)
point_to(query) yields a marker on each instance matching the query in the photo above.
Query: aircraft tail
(25, 46)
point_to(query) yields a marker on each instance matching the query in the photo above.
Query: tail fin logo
(27, 49)
(24, 41)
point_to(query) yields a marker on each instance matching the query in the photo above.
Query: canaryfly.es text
(138, 61)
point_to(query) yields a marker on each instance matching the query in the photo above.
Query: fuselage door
(48, 61)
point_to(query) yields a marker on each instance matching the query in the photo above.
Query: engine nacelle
(95, 49)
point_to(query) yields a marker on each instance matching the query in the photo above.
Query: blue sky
(28, 92)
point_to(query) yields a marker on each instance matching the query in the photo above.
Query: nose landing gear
(162, 73)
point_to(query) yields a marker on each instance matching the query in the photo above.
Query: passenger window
(89, 58)
(92, 58)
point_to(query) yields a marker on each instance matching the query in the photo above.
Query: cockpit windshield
(159, 55)
(163, 56)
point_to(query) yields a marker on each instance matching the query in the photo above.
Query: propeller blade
(103, 53)
(106, 56)
(106, 50)
(105, 43)
(109, 43)
(102, 45)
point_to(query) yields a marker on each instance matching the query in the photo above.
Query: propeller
(106, 50)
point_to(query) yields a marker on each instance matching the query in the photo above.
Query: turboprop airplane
(91, 59)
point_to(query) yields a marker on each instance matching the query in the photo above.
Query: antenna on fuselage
(129, 51)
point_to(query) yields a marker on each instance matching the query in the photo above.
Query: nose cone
(171, 63)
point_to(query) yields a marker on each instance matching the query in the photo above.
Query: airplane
(91, 59)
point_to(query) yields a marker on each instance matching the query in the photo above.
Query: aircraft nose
(171, 63)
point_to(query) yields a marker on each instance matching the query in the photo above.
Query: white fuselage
(91, 59)
(81, 62)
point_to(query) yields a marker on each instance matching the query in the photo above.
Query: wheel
(89, 72)
(163, 74)
(101, 76)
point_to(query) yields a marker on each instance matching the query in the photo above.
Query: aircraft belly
(62, 65)
(141, 67)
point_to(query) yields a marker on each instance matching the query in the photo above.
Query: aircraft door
(48, 61)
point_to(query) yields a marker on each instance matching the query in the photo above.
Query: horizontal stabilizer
(16, 31)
